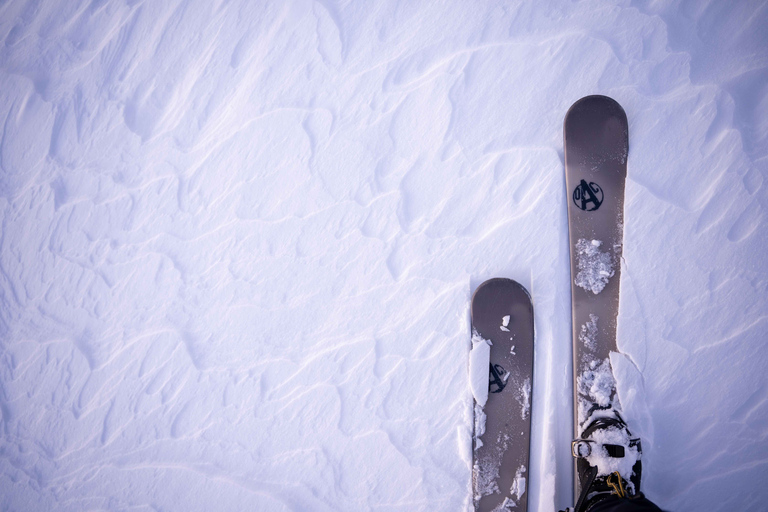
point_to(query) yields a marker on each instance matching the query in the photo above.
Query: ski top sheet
(596, 148)
(501, 374)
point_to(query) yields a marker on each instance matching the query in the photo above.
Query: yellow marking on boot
(618, 487)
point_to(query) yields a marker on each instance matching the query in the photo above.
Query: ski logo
(496, 378)
(588, 196)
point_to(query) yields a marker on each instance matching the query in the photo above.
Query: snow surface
(239, 241)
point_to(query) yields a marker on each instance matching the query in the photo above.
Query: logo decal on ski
(497, 378)
(588, 196)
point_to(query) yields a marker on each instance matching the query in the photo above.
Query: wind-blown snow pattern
(239, 241)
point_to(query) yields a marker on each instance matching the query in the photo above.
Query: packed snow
(595, 266)
(524, 398)
(479, 360)
(597, 384)
(606, 464)
(505, 323)
(480, 418)
(486, 474)
(588, 334)
(518, 484)
(239, 241)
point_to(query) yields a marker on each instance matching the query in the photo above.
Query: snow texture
(588, 333)
(595, 266)
(597, 385)
(480, 418)
(524, 397)
(239, 241)
(486, 474)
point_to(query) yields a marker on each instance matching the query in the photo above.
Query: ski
(501, 375)
(596, 148)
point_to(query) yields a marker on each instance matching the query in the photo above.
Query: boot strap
(581, 448)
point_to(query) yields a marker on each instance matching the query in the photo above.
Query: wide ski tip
(498, 298)
(595, 128)
(596, 102)
(500, 285)
(500, 282)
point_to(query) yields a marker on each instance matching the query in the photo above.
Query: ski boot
(607, 460)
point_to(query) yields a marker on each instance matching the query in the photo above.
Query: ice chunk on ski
(518, 484)
(505, 324)
(486, 474)
(597, 383)
(595, 266)
(596, 386)
(479, 425)
(479, 362)
(517, 490)
(506, 506)
(524, 398)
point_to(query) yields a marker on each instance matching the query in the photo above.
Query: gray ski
(501, 359)
(596, 148)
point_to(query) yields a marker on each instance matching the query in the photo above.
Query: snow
(505, 506)
(518, 484)
(479, 361)
(606, 464)
(239, 241)
(505, 323)
(517, 489)
(597, 383)
(486, 474)
(524, 397)
(588, 333)
(480, 418)
(595, 266)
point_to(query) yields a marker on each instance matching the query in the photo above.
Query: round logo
(588, 196)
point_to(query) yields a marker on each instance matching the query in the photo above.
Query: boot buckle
(581, 448)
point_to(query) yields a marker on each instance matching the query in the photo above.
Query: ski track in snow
(239, 240)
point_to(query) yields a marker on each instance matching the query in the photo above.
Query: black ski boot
(607, 460)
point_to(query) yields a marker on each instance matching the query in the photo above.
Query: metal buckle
(581, 448)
